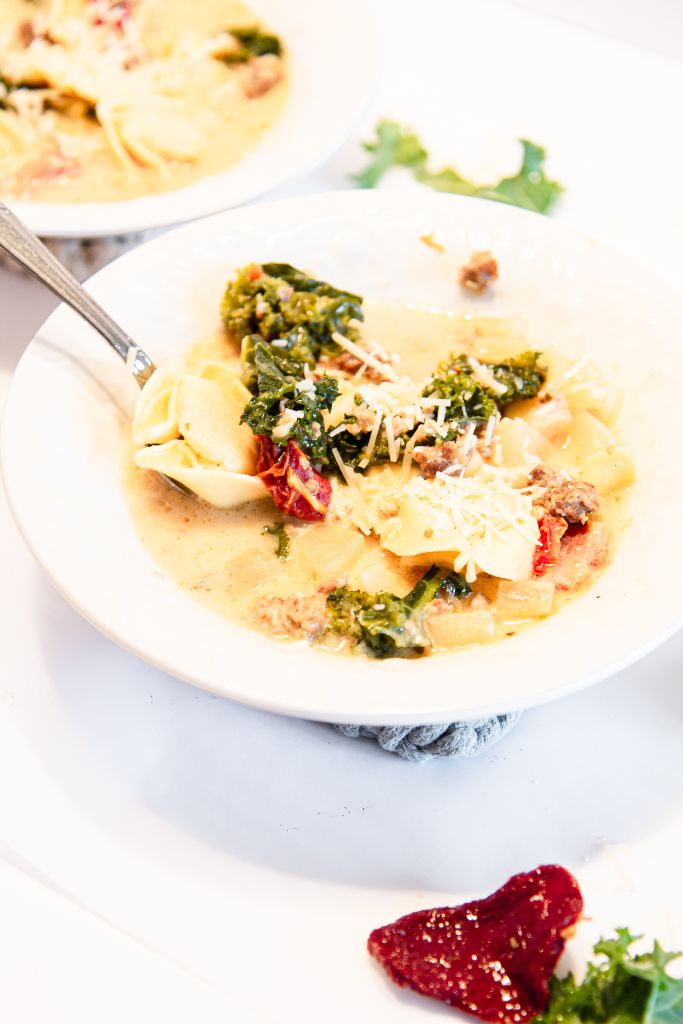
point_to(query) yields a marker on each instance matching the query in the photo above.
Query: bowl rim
(343, 710)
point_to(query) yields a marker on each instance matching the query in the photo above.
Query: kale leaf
(398, 146)
(454, 379)
(620, 989)
(521, 375)
(253, 43)
(281, 387)
(281, 303)
(387, 625)
(283, 548)
(468, 399)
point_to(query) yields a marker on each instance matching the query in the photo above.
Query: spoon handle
(27, 249)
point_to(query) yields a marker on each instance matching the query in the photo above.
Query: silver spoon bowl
(27, 249)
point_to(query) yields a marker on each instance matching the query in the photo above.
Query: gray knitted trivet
(84, 256)
(420, 742)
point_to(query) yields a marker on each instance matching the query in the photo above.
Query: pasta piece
(455, 629)
(485, 525)
(158, 133)
(214, 484)
(508, 555)
(209, 420)
(155, 421)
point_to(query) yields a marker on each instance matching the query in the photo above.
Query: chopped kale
(284, 545)
(622, 988)
(468, 399)
(454, 379)
(352, 446)
(280, 303)
(281, 389)
(522, 376)
(253, 43)
(390, 626)
(398, 146)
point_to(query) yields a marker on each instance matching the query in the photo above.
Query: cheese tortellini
(187, 426)
(473, 524)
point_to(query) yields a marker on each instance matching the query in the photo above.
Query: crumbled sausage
(348, 363)
(25, 33)
(479, 271)
(570, 499)
(260, 75)
(292, 617)
(438, 458)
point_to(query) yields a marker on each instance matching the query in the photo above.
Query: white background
(165, 855)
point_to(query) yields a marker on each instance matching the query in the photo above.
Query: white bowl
(333, 53)
(71, 401)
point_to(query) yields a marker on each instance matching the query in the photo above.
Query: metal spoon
(26, 248)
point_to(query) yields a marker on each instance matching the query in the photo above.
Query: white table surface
(143, 824)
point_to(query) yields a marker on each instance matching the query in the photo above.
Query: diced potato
(327, 551)
(518, 439)
(455, 629)
(609, 470)
(588, 435)
(526, 599)
(553, 419)
(592, 392)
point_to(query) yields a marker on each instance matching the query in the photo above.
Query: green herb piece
(620, 989)
(398, 146)
(253, 43)
(284, 545)
(521, 376)
(390, 626)
(283, 304)
(281, 389)
(468, 399)
(352, 447)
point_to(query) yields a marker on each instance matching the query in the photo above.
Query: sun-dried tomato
(551, 530)
(295, 487)
(492, 958)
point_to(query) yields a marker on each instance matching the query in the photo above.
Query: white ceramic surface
(323, 105)
(70, 403)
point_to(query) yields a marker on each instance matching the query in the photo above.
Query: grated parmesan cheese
(483, 376)
(372, 440)
(385, 369)
(346, 471)
(391, 440)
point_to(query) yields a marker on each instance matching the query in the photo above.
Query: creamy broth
(224, 559)
(197, 121)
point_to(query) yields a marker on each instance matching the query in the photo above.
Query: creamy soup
(103, 100)
(539, 452)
